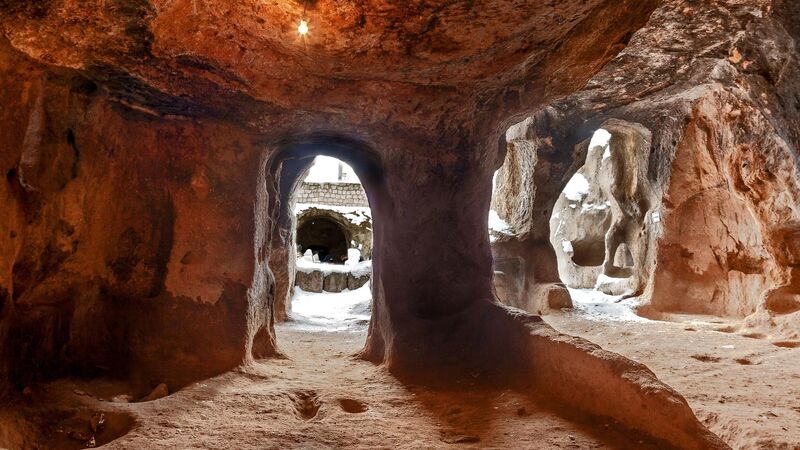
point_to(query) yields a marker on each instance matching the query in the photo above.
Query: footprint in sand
(306, 403)
(352, 406)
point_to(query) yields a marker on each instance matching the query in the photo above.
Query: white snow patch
(603, 279)
(353, 256)
(599, 306)
(355, 214)
(498, 224)
(326, 170)
(359, 269)
(587, 207)
(340, 311)
(577, 188)
(601, 138)
(567, 246)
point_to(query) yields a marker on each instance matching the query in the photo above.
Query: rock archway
(602, 223)
(325, 237)
(413, 204)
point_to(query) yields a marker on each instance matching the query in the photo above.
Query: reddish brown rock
(151, 150)
(723, 163)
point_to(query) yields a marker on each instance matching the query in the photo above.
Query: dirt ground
(318, 397)
(745, 388)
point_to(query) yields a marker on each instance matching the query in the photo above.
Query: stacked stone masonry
(317, 281)
(334, 194)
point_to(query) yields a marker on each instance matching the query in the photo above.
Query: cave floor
(744, 389)
(320, 396)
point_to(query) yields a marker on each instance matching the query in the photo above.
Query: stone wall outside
(334, 194)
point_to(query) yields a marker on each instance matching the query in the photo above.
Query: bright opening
(598, 279)
(334, 250)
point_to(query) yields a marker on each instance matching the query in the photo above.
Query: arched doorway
(325, 238)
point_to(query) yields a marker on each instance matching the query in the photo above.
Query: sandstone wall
(115, 225)
(605, 228)
(334, 194)
(192, 124)
(723, 161)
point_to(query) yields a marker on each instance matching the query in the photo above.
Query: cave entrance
(582, 217)
(600, 221)
(333, 239)
(324, 238)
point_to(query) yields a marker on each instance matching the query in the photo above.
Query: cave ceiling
(410, 65)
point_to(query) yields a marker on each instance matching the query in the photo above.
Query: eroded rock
(311, 281)
(713, 236)
(335, 282)
(158, 392)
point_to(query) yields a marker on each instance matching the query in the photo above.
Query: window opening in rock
(497, 226)
(594, 264)
(333, 240)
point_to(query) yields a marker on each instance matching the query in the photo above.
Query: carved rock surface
(309, 281)
(724, 167)
(151, 149)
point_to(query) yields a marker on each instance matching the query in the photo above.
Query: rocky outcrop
(734, 264)
(115, 228)
(717, 96)
(600, 224)
(310, 281)
(355, 281)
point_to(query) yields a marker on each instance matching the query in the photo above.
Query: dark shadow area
(482, 412)
(323, 237)
(588, 253)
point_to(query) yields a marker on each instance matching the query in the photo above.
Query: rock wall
(334, 194)
(722, 165)
(103, 248)
(197, 120)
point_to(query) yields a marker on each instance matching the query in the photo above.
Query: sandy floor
(322, 397)
(745, 389)
(319, 396)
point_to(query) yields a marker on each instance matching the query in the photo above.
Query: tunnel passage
(325, 238)
(601, 219)
(331, 217)
(582, 204)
